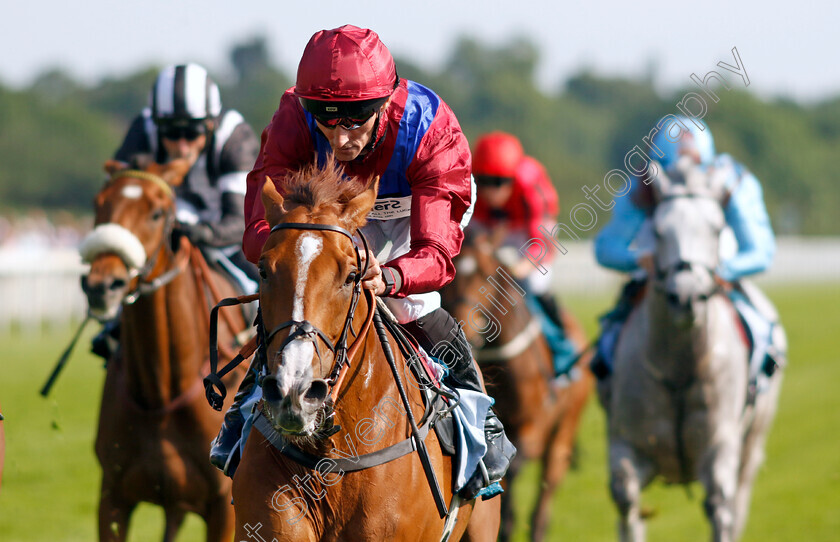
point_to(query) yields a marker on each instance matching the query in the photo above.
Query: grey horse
(677, 401)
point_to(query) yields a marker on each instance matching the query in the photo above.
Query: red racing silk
(533, 203)
(438, 175)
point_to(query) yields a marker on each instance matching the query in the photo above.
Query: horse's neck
(513, 322)
(164, 339)
(675, 350)
(369, 409)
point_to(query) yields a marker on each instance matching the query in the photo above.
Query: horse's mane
(316, 186)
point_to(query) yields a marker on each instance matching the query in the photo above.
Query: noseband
(682, 265)
(304, 330)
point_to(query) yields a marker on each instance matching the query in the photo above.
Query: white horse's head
(686, 227)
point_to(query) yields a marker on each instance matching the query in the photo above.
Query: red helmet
(345, 72)
(497, 154)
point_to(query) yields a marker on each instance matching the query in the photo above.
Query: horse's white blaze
(132, 191)
(297, 355)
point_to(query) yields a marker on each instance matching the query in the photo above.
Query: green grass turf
(51, 480)
(796, 495)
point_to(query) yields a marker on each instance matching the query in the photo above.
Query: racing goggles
(348, 115)
(492, 181)
(190, 132)
(348, 123)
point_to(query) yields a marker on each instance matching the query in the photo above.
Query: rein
(214, 388)
(305, 330)
(142, 288)
(145, 287)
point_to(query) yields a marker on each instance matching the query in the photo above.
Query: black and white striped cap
(184, 92)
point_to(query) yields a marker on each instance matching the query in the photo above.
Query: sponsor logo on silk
(391, 208)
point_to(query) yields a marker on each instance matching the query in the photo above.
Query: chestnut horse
(540, 419)
(155, 429)
(325, 408)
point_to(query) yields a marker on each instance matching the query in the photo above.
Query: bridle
(306, 331)
(661, 273)
(146, 286)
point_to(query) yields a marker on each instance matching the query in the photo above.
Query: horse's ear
(113, 166)
(172, 172)
(356, 209)
(272, 202)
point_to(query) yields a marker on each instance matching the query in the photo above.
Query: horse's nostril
(673, 299)
(317, 392)
(271, 389)
(117, 284)
(97, 289)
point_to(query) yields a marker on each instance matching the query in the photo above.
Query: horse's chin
(103, 313)
(688, 315)
(287, 421)
(683, 317)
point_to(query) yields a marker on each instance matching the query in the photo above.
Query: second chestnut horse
(155, 427)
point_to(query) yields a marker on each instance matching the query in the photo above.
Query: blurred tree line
(55, 135)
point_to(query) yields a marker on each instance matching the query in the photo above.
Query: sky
(787, 48)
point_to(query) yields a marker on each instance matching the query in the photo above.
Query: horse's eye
(157, 214)
(262, 272)
(351, 278)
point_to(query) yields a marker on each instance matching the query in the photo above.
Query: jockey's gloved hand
(198, 234)
(373, 279)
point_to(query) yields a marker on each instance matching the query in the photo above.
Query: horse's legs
(752, 453)
(173, 519)
(507, 514)
(629, 474)
(220, 520)
(484, 521)
(719, 475)
(558, 454)
(113, 518)
(752, 456)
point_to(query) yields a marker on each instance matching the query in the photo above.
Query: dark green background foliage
(55, 134)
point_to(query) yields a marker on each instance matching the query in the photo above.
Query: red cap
(497, 154)
(345, 64)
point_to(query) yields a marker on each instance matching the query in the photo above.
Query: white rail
(41, 286)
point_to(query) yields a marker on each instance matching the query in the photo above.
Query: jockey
(349, 101)
(515, 195)
(185, 120)
(746, 217)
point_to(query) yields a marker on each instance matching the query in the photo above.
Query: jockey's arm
(441, 194)
(235, 160)
(613, 243)
(228, 230)
(284, 146)
(747, 216)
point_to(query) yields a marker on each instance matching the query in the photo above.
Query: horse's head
(686, 227)
(310, 281)
(135, 213)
